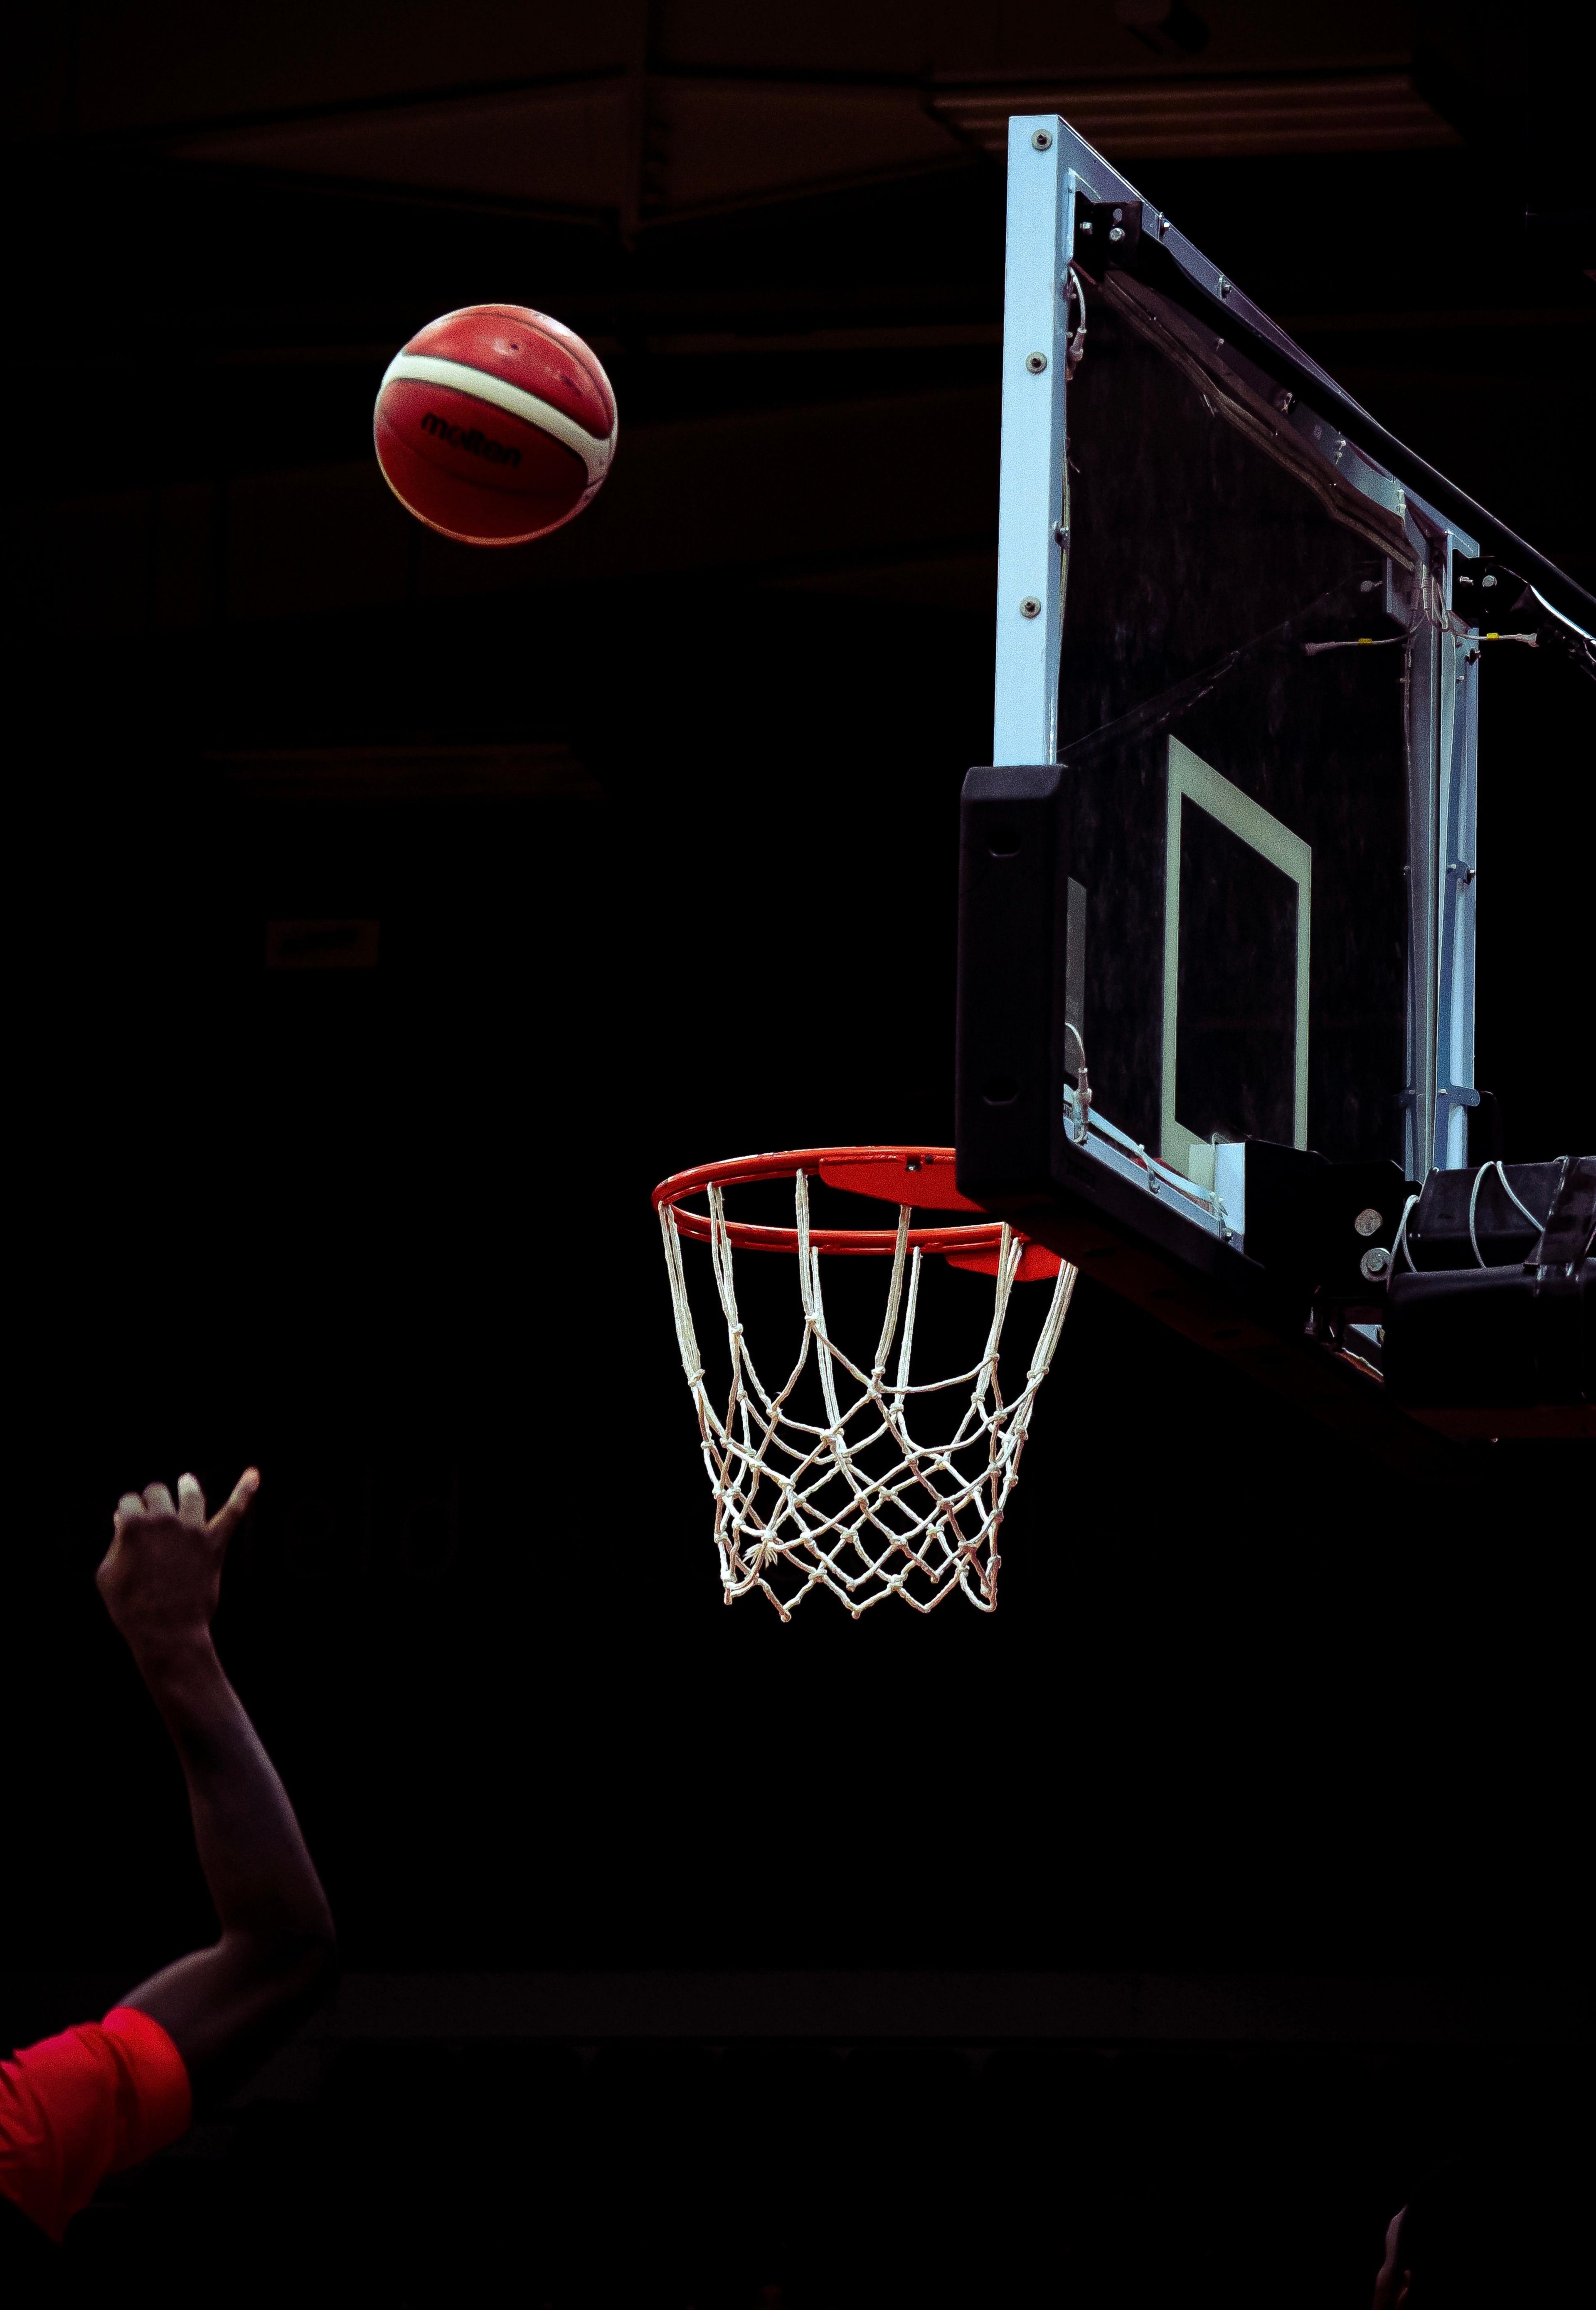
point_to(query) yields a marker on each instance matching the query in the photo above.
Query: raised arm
(226, 2007)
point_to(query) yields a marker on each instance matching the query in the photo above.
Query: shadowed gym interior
(391, 916)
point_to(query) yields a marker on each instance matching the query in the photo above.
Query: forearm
(260, 1875)
(226, 2007)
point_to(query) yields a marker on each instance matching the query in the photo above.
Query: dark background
(657, 821)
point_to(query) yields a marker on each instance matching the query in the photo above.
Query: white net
(848, 1499)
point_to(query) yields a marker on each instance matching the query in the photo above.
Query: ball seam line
(482, 384)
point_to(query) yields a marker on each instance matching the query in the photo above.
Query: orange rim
(867, 1243)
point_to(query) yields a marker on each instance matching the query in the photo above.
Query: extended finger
(231, 1514)
(191, 1500)
(129, 1504)
(158, 1500)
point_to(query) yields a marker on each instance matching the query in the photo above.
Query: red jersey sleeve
(86, 2104)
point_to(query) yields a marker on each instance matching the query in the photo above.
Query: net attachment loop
(822, 1481)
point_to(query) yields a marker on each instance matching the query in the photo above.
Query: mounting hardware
(1118, 222)
(1061, 534)
(1369, 1222)
(1035, 364)
(1375, 1262)
(1030, 607)
(1041, 141)
(1224, 286)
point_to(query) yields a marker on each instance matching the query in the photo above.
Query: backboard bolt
(1375, 1262)
(1060, 535)
(1030, 607)
(1116, 232)
(1035, 364)
(1042, 141)
(1368, 1221)
(1224, 286)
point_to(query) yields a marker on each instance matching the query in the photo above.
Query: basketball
(495, 425)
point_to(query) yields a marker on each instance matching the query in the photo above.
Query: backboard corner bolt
(1042, 141)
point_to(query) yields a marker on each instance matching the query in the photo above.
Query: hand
(161, 1577)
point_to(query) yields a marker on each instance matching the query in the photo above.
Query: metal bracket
(1106, 231)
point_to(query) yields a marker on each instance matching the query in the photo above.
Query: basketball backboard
(1218, 885)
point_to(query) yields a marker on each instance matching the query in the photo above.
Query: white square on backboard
(1191, 778)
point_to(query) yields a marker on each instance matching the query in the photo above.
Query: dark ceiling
(793, 218)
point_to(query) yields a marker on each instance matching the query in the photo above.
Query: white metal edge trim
(1031, 458)
(1250, 822)
(428, 368)
(1143, 1171)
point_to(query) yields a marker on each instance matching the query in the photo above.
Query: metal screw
(1118, 214)
(1487, 581)
(1086, 225)
(1224, 286)
(1375, 1262)
(1116, 232)
(1060, 535)
(1035, 364)
(1042, 141)
(1152, 1181)
(1030, 607)
(1163, 226)
(1368, 1222)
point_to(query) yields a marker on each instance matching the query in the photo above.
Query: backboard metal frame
(1052, 171)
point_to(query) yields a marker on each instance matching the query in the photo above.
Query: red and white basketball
(495, 425)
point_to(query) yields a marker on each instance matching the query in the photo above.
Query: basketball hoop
(847, 1499)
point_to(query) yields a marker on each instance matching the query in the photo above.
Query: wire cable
(1538, 1225)
(1473, 1199)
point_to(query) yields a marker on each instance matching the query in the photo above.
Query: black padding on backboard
(1012, 953)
